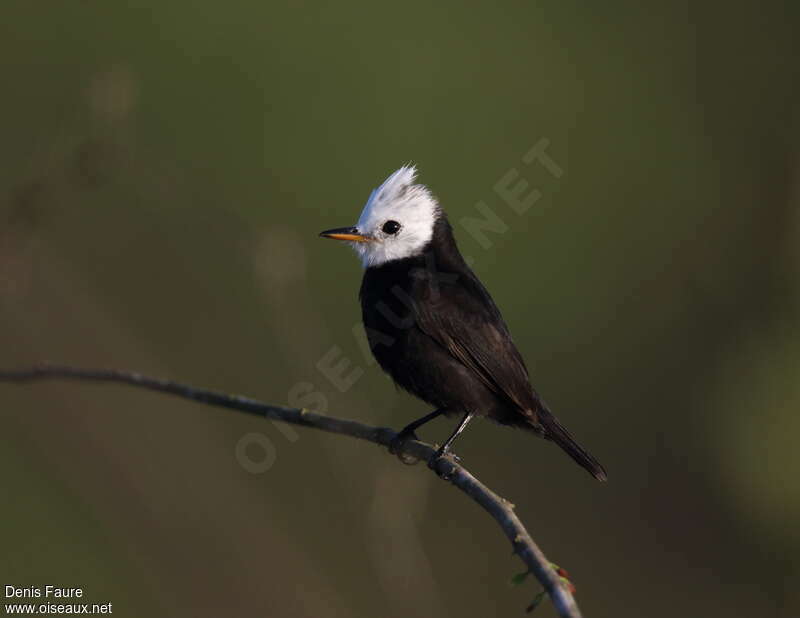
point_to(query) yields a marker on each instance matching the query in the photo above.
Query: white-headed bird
(432, 325)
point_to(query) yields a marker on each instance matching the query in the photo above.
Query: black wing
(464, 320)
(461, 317)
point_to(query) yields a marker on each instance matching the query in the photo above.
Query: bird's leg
(409, 431)
(443, 450)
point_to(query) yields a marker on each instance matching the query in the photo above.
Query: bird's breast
(387, 307)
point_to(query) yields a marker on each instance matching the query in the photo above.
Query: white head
(397, 221)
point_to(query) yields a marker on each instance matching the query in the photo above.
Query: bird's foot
(396, 446)
(444, 452)
(440, 460)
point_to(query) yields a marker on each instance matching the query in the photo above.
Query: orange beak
(345, 233)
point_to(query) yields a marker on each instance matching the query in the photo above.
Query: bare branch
(446, 468)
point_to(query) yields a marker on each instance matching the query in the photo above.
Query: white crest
(410, 205)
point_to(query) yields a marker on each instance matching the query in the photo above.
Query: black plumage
(436, 331)
(432, 325)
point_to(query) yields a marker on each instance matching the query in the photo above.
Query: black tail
(555, 431)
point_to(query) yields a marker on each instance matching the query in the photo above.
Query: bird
(432, 325)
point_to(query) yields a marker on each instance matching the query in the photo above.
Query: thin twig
(446, 468)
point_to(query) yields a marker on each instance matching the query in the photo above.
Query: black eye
(391, 227)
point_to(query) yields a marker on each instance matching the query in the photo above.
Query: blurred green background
(164, 170)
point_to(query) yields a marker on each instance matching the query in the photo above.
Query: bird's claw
(441, 455)
(396, 446)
